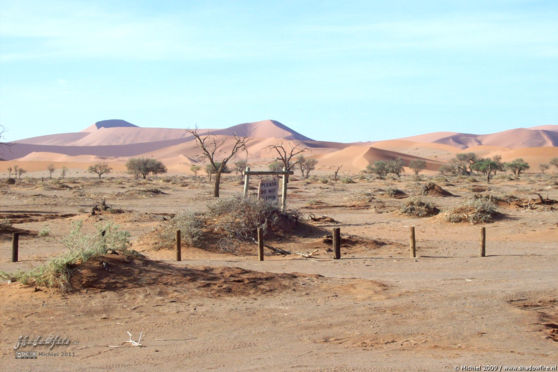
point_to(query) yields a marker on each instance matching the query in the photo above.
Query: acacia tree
(554, 162)
(306, 165)
(395, 166)
(543, 167)
(195, 169)
(488, 167)
(211, 148)
(275, 166)
(285, 155)
(144, 166)
(240, 166)
(379, 168)
(99, 169)
(417, 166)
(517, 166)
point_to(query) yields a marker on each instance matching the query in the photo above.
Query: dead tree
(286, 155)
(211, 148)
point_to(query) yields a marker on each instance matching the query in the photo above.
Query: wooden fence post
(284, 191)
(260, 244)
(413, 243)
(483, 242)
(178, 246)
(336, 238)
(246, 181)
(15, 247)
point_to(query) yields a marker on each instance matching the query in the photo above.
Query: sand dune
(553, 128)
(262, 129)
(435, 151)
(116, 140)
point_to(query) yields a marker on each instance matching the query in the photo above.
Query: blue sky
(332, 70)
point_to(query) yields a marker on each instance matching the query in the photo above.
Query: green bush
(478, 210)
(80, 248)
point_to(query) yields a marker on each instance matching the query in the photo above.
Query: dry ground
(375, 309)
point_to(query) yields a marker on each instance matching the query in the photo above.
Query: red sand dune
(116, 140)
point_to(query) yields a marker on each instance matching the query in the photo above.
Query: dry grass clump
(419, 208)
(477, 210)
(80, 248)
(228, 222)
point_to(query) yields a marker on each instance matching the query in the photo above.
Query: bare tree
(51, 170)
(211, 148)
(285, 155)
(336, 173)
(306, 165)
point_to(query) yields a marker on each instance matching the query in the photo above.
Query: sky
(332, 70)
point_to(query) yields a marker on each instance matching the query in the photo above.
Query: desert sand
(375, 309)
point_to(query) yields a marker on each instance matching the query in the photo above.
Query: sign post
(284, 173)
(267, 190)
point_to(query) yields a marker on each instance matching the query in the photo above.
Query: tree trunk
(100, 175)
(217, 184)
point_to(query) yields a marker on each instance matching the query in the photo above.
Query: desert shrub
(80, 248)
(238, 218)
(44, 232)
(324, 180)
(347, 180)
(11, 181)
(191, 226)
(419, 208)
(227, 222)
(476, 210)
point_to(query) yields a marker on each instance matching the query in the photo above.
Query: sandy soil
(375, 309)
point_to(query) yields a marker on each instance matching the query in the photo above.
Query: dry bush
(238, 218)
(191, 226)
(476, 210)
(419, 208)
(228, 222)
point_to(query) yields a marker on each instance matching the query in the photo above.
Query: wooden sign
(267, 190)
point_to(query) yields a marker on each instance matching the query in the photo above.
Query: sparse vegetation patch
(419, 208)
